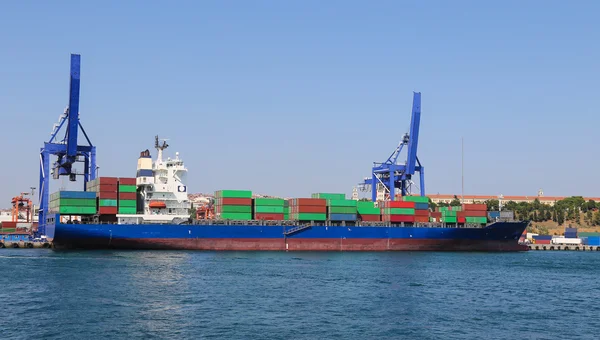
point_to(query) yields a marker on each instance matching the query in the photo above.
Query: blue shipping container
(77, 194)
(542, 237)
(593, 240)
(342, 217)
(494, 214)
(570, 235)
(422, 206)
(570, 230)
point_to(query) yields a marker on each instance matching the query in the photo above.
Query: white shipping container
(563, 240)
(531, 235)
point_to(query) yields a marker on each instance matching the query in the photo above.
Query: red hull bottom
(298, 244)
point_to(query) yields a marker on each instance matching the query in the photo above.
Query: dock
(563, 247)
(25, 244)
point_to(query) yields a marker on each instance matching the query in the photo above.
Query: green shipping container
(449, 213)
(127, 210)
(269, 209)
(399, 211)
(8, 230)
(341, 203)
(416, 199)
(310, 217)
(128, 203)
(365, 204)
(369, 211)
(107, 202)
(449, 219)
(76, 202)
(76, 210)
(480, 220)
(246, 209)
(236, 216)
(342, 210)
(269, 201)
(233, 194)
(587, 234)
(329, 196)
(127, 188)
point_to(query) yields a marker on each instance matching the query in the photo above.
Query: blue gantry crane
(390, 175)
(67, 151)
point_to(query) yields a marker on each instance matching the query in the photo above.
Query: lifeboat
(158, 205)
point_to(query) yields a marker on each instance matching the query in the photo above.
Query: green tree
(432, 205)
(548, 215)
(192, 212)
(591, 205)
(589, 218)
(493, 205)
(560, 218)
(536, 204)
(455, 202)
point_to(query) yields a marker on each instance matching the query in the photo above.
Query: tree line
(568, 209)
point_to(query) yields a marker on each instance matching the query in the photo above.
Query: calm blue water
(239, 295)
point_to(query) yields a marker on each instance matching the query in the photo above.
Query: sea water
(48, 294)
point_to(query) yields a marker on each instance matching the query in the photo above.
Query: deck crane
(390, 175)
(67, 150)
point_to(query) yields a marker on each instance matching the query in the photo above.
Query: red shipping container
(235, 201)
(269, 217)
(398, 204)
(370, 218)
(310, 201)
(543, 241)
(310, 209)
(475, 213)
(436, 214)
(107, 188)
(9, 225)
(422, 213)
(107, 180)
(127, 196)
(107, 210)
(107, 195)
(127, 181)
(422, 219)
(461, 220)
(399, 218)
(474, 207)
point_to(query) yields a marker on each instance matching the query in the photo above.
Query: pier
(563, 247)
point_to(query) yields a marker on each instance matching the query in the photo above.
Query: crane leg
(422, 180)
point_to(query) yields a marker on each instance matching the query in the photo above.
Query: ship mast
(160, 148)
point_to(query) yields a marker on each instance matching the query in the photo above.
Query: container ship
(152, 211)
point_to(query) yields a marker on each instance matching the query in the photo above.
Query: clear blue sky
(294, 97)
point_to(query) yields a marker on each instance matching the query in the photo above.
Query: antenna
(462, 170)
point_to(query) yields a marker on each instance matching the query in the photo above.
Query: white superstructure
(162, 187)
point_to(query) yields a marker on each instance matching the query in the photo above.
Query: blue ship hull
(499, 236)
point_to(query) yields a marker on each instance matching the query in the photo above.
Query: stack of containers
(308, 209)
(328, 196)
(286, 210)
(73, 203)
(271, 209)
(449, 214)
(421, 207)
(473, 214)
(593, 240)
(339, 208)
(8, 227)
(542, 239)
(233, 204)
(127, 191)
(106, 192)
(397, 211)
(368, 212)
(435, 216)
(570, 232)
